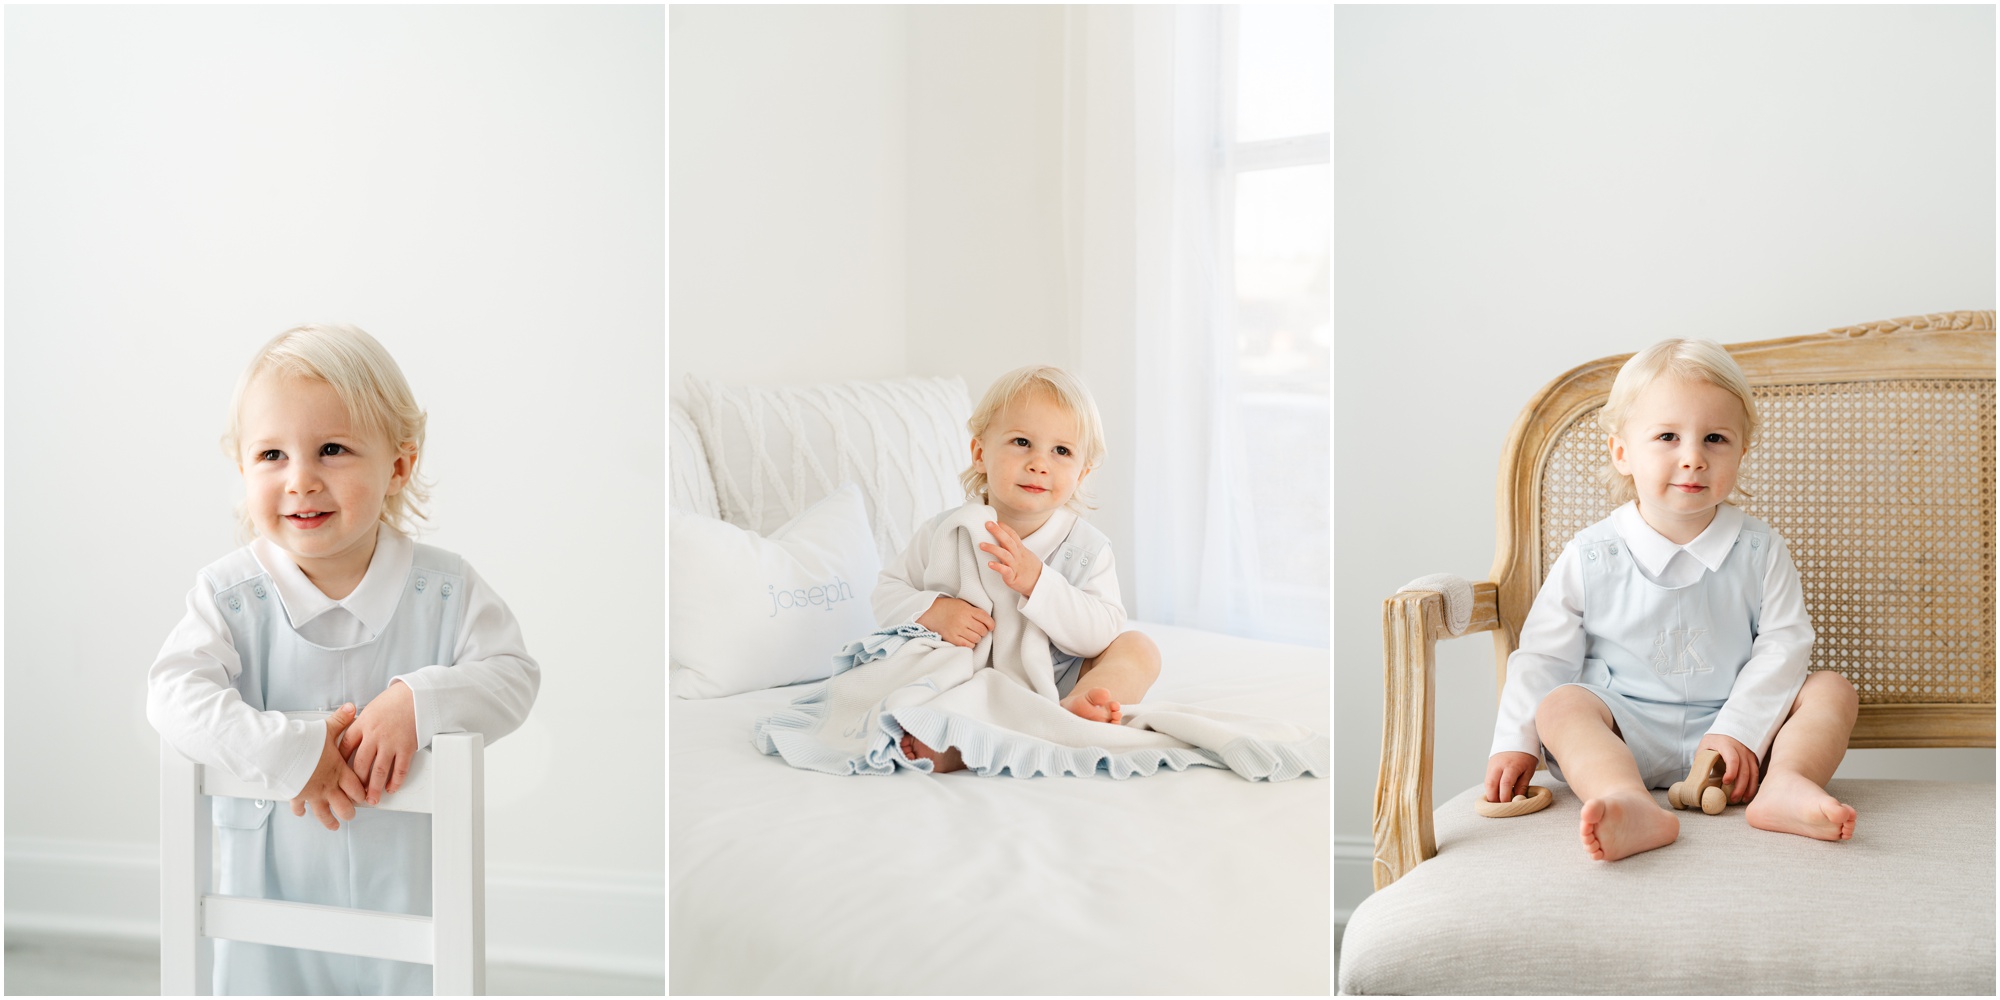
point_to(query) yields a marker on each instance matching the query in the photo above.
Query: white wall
(481, 188)
(787, 192)
(1519, 190)
(867, 192)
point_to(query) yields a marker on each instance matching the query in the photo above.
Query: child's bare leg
(1792, 798)
(1619, 816)
(1119, 676)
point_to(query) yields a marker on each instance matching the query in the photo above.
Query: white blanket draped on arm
(996, 702)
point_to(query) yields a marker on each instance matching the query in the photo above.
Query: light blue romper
(1072, 558)
(1664, 659)
(378, 860)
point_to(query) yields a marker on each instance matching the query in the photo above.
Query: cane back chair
(1875, 461)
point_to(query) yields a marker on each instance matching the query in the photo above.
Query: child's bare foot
(949, 760)
(1619, 826)
(1095, 705)
(1791, 803)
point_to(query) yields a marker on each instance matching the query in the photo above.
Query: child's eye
(1668, 436)
(1021, 441)
(1717, 439)
(270, 455)
(331, 449)
(1062, 449)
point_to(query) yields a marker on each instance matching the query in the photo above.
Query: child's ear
(977, 451)
(1618, 461)
(406, 463)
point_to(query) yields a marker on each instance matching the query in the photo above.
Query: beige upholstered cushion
(1514, 906)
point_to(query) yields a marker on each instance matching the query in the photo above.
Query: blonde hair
(370, 386)
(1687, 360)
(1069, 393)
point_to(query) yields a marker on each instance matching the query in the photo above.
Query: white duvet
(790, 881)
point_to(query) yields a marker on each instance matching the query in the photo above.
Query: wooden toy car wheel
(1714, 800)
(1674, 795)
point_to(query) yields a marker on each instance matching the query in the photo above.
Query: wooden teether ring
(1538, 798)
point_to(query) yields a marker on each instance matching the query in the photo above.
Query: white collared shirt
(1080, 620)
(487, 689)
(1553, 642)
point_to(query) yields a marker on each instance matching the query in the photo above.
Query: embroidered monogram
(1674, 652)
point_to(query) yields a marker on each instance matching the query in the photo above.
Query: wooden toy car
(1703, 786)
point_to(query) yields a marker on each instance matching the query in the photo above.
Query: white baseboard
(539, 918)
(1353, 876)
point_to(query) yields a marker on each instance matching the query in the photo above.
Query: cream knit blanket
(996, 702)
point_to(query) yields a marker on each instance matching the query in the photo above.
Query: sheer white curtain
(1148, 213)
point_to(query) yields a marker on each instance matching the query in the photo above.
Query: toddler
(330, 606)
(1675, 625)
(1035, 437)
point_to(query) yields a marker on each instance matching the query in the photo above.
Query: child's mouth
(1035, 489)
(309, 519)
(1689, 487)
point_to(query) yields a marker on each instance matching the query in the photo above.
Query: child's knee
(1568, 702)
(1831, 689)
(1140, 649)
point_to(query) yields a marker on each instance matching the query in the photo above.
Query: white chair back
(447, 781)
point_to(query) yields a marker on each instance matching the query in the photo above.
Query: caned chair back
(1874, 460)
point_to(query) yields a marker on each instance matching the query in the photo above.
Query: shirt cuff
(307, 741)
(423, 702)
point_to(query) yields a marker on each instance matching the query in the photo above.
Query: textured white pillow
(690, 486)
(746, 612)
(775, 451)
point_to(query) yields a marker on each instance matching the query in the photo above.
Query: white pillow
(774, 451)
(746, 612)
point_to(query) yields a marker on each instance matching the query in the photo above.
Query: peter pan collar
(373, 601)
(1051, 534)
(1653, 550)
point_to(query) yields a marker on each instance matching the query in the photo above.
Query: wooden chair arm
(1412, 623)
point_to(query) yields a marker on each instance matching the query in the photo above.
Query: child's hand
(957, 622)
(1739, 773)
(383, 742)
(333, 788)
(1507, 774)
(1017, 566)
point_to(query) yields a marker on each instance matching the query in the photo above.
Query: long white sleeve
(1080, 620)
(1550, 654)
(1771, 678)
(190, 702)
(492, 682)
(899, 596)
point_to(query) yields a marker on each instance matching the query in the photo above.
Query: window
(1276, 79)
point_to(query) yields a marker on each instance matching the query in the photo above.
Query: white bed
(790, 881)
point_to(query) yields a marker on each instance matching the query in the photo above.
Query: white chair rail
(447, 781)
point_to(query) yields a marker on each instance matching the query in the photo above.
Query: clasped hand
(961, 624)
(381, 744)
